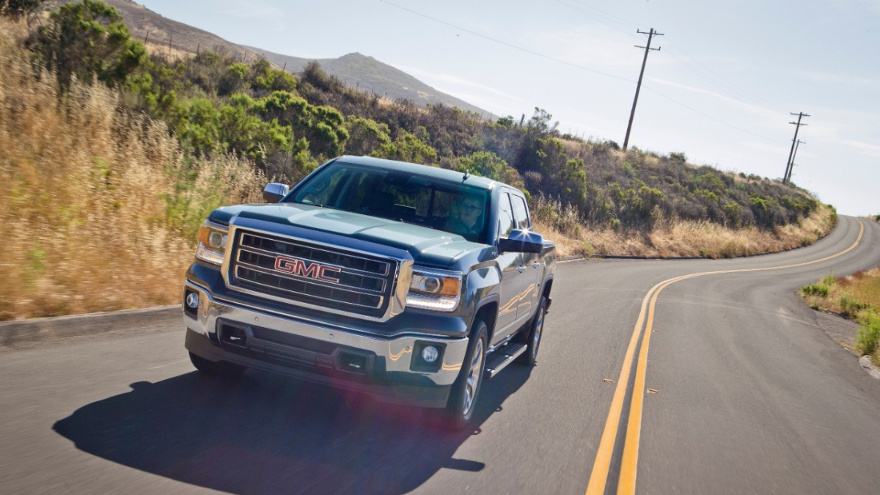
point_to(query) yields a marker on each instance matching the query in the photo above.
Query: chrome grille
(298, 272)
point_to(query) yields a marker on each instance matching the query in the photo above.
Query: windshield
(401, 196)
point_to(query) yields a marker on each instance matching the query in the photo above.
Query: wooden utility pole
(793, 156)
(787, 177)
(632, 113)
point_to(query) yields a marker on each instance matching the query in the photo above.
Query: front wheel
(466, 390)
(536, 331)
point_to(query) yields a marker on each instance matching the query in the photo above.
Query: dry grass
(856, 297)
(679, 238)
(847, 296)
(85, 195)
(169, 52)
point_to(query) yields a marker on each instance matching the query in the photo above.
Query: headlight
(212, 242)
(434, 290)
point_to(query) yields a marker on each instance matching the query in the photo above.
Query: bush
(850, 307)
(818, 290)
(868, 338)
(85, 40)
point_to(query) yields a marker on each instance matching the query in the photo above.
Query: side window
(520, 213)
(505, 216)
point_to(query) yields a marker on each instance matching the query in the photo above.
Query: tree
(87, 39)
(484, 163)
(366, 136)
(267, 79)
(409, 148)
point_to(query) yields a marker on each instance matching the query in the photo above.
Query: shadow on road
(267, 434)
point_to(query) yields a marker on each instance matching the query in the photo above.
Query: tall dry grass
(674, 238)
(96, 204)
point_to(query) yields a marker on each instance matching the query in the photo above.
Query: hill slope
(372, 76)
(354, 70)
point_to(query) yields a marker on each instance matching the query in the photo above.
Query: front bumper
(389, 369)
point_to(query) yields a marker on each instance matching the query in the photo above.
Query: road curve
(739, 390)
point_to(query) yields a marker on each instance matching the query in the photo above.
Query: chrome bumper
(385, 368)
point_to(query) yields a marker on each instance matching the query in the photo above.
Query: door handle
(520, 268)
(536, 264)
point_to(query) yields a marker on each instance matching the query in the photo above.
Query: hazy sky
(720, 89)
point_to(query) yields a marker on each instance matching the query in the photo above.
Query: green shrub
(868, 337)
(679, 157)
(850, 307)
(818, 290)
(587, 250)
(87, 40)
(615, 224)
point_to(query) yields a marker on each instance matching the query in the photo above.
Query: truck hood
(426, 246)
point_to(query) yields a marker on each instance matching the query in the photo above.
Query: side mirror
(275, 191)
(522, 241)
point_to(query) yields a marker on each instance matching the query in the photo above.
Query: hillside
(112, 158)
(354, 70)
(371, 76)
(150, 27)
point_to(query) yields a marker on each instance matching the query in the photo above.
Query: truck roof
(426, 170)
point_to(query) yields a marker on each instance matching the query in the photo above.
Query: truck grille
(297, 272)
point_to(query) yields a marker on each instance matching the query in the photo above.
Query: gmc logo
(299, 267)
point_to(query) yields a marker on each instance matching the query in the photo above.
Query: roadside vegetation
(112, 156)
(856, 297)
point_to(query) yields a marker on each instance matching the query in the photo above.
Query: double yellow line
(629, 463)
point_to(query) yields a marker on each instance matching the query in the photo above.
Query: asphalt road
(739, 390)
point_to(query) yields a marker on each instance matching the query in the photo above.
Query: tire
(217, 368)
(463, 399)
(535, 333)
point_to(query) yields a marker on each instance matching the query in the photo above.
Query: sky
(721, 88)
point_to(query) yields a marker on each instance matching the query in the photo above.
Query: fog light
(192, 300)
(429, 354)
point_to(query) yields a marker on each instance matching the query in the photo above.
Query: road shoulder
(27, 334)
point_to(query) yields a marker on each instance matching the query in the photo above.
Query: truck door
(531, 276)
(510, 265)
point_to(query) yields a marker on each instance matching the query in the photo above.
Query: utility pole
(791, 168)
(632, 113)
(787, 177)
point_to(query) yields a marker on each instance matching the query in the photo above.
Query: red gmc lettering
(298, 267)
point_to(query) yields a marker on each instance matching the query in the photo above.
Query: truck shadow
(267, 434)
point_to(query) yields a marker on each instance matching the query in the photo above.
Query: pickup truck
(363, 277)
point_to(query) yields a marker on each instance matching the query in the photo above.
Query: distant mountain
(354, 70)
(372, 76)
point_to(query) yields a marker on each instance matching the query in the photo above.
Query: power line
(708, 75)
(603, 17)
(687, 60)
(509, 45)
(610, 18)
(708, 116)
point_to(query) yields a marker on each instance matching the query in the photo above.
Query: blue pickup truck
(407, 282)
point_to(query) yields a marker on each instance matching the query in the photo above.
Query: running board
(501, 357)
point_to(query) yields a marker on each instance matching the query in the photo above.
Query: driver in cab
(467, 219)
